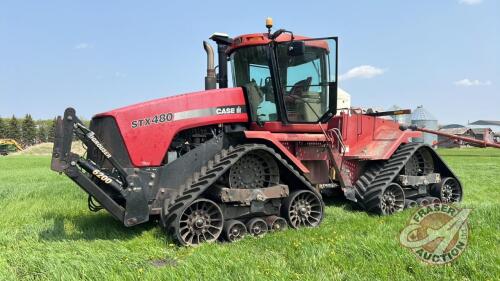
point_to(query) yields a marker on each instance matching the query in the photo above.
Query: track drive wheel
(201, 221)
(448, 190)
(234, 230)
(257, 226)
(420, 163)
(256, 169)
(303, 208)
(390, 201)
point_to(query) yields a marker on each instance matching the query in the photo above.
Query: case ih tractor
(226, 162)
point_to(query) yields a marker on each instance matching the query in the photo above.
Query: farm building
(476, 133)
(485, 134)
(486, 123)
(444, 142)
(451, 126)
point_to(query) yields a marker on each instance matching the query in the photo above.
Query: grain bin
(423, 118)
(403, 119)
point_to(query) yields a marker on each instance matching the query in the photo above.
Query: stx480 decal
(195, 113)
(159, 118)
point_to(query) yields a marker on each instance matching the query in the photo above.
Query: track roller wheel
(423, 201)
(390, 201)
(410, 204)
(201, 221)
(234, 230)
(275, 223)
(448, 190)
(257, 226)
(303, 208)
(433, 200)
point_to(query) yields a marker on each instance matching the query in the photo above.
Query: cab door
(306, 79)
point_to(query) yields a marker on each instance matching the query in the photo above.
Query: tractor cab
(286, 78)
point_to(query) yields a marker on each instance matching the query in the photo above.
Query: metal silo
(423, 118)
(404, 119)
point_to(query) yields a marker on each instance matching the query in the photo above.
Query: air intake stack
(223, 41)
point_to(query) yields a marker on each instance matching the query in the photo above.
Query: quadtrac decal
(188, 114)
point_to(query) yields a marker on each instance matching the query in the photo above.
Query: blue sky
(100, 55)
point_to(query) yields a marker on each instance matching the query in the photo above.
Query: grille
(107, 132)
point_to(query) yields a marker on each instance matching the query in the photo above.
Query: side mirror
(296, 48)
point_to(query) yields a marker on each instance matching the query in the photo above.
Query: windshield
(305, 79)
(250, 69)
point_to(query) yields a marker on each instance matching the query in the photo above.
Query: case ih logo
(437, 233)
(228, 110)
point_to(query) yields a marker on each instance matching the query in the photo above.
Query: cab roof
(255, 39)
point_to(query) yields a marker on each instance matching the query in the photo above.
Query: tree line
(27, 131)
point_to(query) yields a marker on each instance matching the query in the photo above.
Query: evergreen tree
(41, 135)
(3, 129)
(28, 130)
(52, 131)
(14, 130)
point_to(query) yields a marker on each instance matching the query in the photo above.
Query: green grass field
(47, 233)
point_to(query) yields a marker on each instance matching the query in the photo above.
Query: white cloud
(470, 2)
(362, 71)
(81, 46)
(468, 82)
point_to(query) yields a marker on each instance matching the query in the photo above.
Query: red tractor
(226, 162)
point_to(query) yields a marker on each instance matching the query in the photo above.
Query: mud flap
(350, 194)
(137, 208)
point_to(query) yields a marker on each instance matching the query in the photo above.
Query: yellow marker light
(269, 22)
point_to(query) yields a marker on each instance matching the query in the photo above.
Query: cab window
(251, 71)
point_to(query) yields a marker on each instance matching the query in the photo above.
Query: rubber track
(214, 169)
(377, 177)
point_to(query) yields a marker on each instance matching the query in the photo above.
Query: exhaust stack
(210, 79)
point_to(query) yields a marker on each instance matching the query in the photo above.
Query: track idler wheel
(201, 221)
(303, 208)
(392, 200)
(275, 223)
(234, 230)
(448, 190)
(257, 227)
